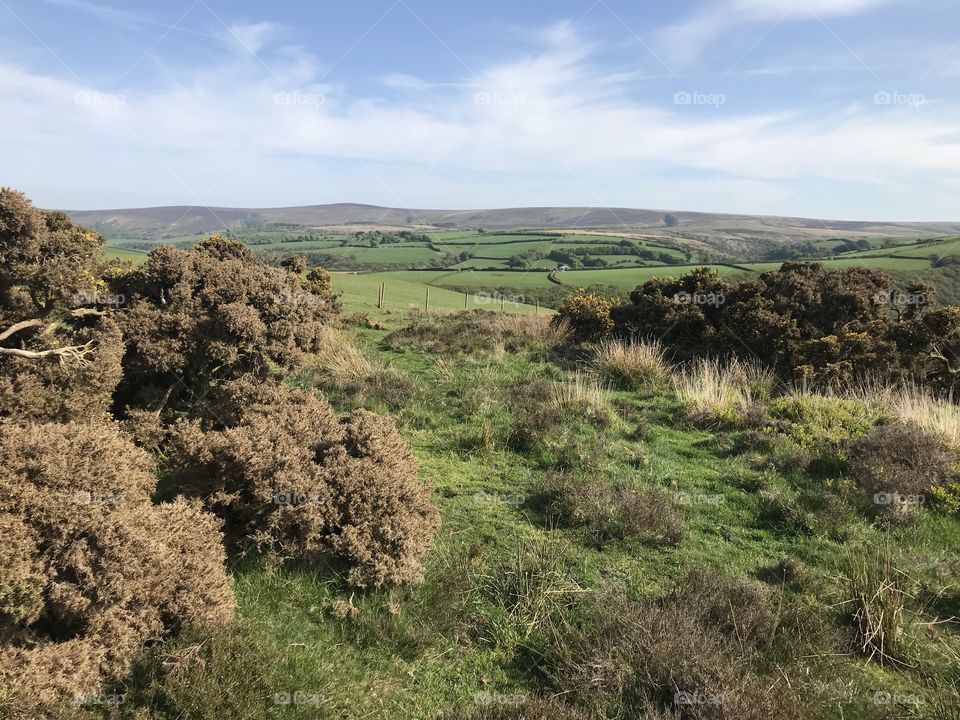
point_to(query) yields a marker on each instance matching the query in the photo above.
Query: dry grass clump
(473, 331)
(343, 370)
(293, 480)
(91, 570)
(875, 596)
(338, 357)
(631, 364)
(612, 512)
(913, 404)
(582, 393)
(715, 391)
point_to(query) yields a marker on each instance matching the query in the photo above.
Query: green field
(361, 291)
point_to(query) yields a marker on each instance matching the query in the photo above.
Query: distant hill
(729, 235)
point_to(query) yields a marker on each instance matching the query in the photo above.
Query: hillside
(729, 235)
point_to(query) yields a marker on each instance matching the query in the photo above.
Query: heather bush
(606, 512)
(293, 480)
(901, 461)
(91, 569)
(693, 652)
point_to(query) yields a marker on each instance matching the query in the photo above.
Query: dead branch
(71, 354)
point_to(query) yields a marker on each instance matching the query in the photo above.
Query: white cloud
(684, 42)
(548, 129)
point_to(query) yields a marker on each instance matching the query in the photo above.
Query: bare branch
(70, 354)
(13, 329)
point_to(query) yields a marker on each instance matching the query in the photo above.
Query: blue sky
(842, 109)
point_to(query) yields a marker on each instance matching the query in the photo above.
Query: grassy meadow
(506, 428)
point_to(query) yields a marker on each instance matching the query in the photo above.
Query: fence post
(538, 308)
(466, 299)
(501, 303)
(426, 302)
(380, 297)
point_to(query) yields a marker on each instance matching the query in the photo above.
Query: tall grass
(583, 391)
(712, 386)
(630, 364)
(911, 403)
(876, 597)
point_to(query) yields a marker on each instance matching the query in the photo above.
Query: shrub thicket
(211, 314)
(292, 479)
(809, 323)
(91, 569)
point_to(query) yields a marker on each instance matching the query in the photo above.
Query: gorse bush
(212, 314)
(91, 570)
(586, 314)
(293, 480)
(828, 328)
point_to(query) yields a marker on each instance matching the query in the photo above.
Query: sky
(840, 109)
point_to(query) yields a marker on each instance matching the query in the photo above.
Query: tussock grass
(583, 391)
(876, 597)
(630, 363)
(915, 405)
(341, 360)
(711, 387)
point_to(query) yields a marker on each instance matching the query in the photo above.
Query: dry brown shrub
(901, 458)
(293, 480)
(608, 512)
(211, 314)
(92, 569)
(689, 654)
(49, 390)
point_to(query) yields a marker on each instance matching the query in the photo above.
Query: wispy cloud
(554, 121)
(683, 43)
